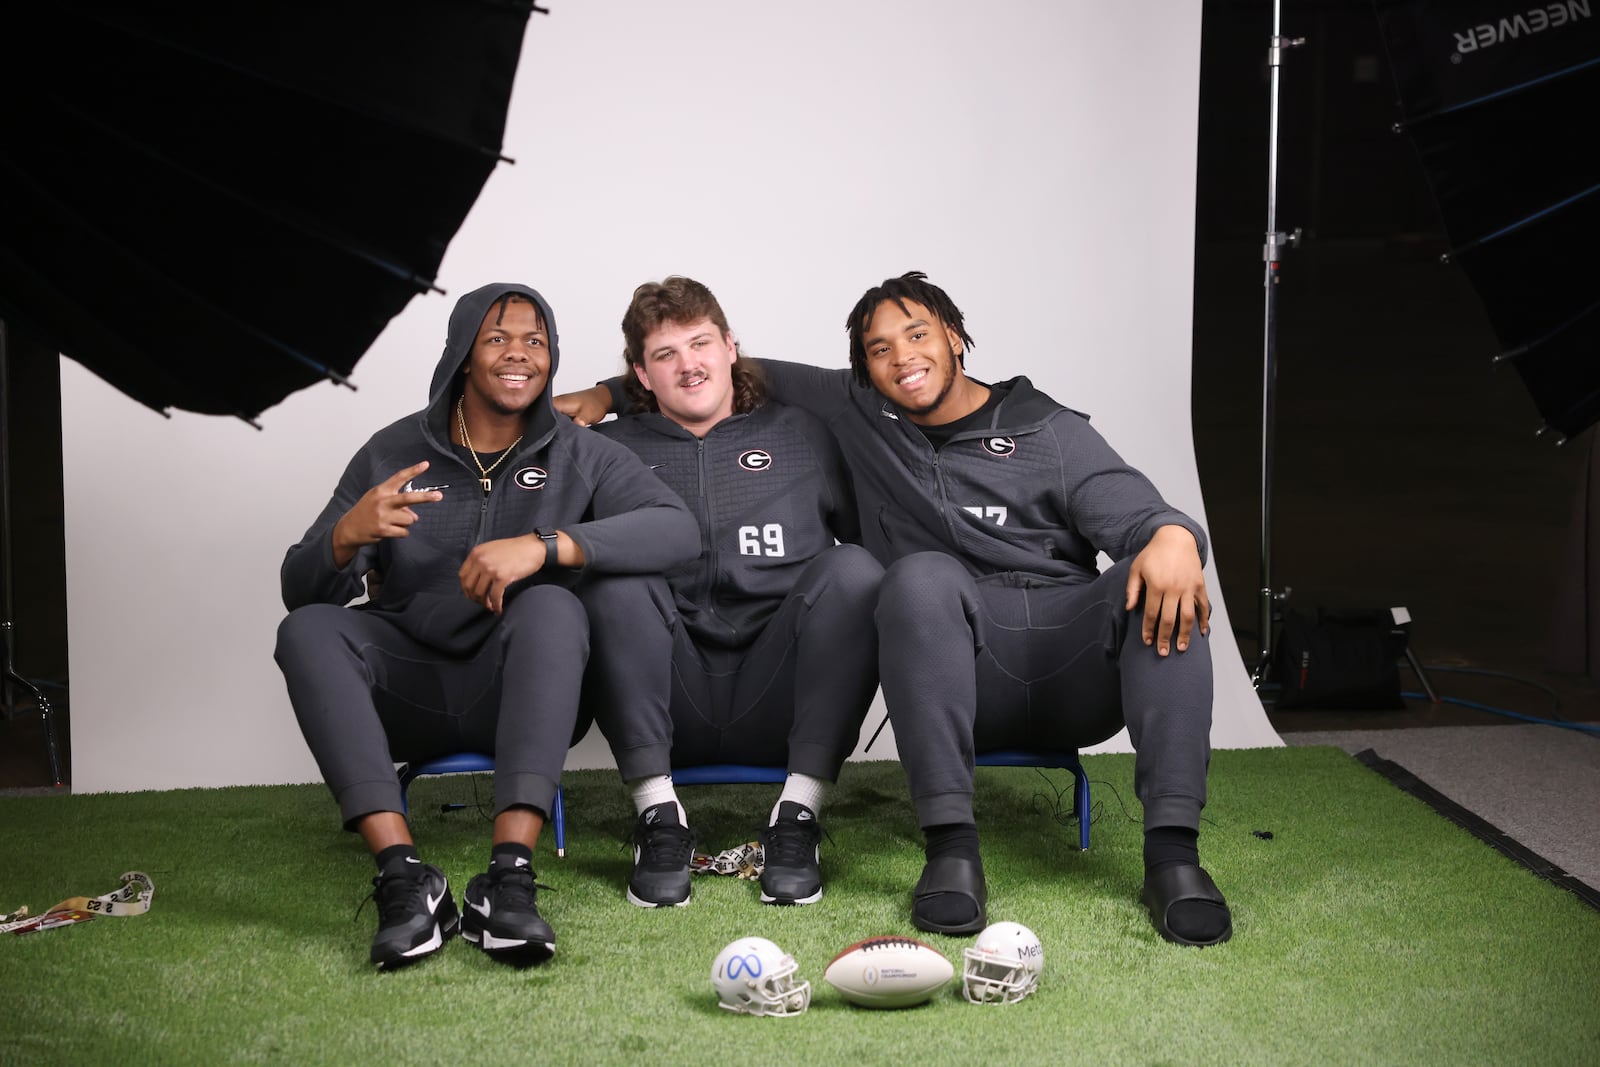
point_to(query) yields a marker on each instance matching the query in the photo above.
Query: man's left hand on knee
(1169, 575)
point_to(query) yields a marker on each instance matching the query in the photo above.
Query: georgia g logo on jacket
(999, 446)
(531, 477)
(757, 459)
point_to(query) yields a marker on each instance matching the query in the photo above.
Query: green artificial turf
(1366, 930)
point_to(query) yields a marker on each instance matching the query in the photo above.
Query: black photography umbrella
(213, 205)
(1499, 97)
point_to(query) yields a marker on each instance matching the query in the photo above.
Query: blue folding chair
(473, 763)
(1012, 757)
(1066, 759)
(718, 774)
(705, 774)
(727, 774)
(741, 774)
(477, 762)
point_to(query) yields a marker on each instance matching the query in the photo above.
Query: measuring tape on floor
(131, 898)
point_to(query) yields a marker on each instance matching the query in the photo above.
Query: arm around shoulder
(823, 392)
(589, 406)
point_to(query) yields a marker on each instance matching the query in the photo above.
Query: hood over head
(465, 320)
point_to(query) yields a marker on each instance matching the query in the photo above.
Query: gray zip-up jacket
(770, 491)
(559, 477)
(1038, 492)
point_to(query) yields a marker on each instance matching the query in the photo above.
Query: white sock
(656, 789)
(802, 789)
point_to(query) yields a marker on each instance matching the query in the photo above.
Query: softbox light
(1499, 98)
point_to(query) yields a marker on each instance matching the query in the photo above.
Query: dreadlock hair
(503, 301)
(914, 286)
(510, 297)
(682, 302)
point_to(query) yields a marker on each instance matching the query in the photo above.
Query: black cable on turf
(484, 813)
(1124, 807)
(1059, 813)
(1125, 813)
(477, 802)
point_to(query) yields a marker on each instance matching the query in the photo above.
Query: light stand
(12, 680)
(1270, 597)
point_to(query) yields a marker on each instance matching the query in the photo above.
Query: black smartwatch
(550, 547)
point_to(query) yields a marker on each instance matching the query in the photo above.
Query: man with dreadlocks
(988, 504)
(493, 523)
(764, 651)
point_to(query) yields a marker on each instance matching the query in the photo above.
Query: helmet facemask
(1002, 966)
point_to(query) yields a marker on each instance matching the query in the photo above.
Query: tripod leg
(1416, 668)
(50, 739)
(43, 707)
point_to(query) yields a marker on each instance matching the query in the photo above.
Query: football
(888, 972)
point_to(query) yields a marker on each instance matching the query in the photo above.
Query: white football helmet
(1003, 965)
(754, 976)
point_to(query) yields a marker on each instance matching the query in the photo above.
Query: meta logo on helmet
(748, 965)
(755, 460)
(531, 477)
(999, 446)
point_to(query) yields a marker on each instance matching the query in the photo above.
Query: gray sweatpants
(367, 695)
(1019, 661)
(794, 698)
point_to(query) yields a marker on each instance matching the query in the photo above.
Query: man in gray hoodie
(768, 655)
(492, 521)
(988, 504)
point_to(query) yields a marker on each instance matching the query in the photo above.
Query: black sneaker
(662, 848)
(416, 915)
(789, 870)
(500, 916)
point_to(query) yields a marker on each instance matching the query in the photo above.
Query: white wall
(1036, 159)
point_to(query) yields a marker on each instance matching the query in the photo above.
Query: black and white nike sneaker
(500, 916)
(662, 849)
(416, 915)
(790, 869)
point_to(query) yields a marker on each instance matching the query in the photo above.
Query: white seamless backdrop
(1037, 160)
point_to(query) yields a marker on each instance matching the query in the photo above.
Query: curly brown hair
(681, 301)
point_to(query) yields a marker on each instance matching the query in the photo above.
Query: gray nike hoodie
(558, 477)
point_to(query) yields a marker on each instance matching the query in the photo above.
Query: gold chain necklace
(461, 423)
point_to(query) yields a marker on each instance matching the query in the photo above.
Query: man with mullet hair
(763, 651)
(492, 522)
(989, 504)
